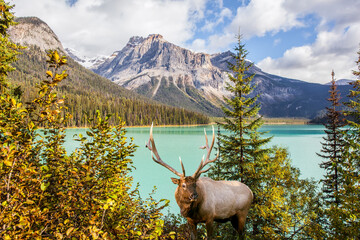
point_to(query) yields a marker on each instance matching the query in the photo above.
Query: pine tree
(344, 220)
(242, 147)
(267, 171)
(354, 103)
(332, 146)
(244, 143)
(8, 50)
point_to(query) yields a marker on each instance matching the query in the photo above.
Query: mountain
(165, 72)
(83, 60)
(33, 31)
(341, 82)
(85, 91)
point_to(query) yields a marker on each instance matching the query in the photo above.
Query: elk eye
(184, 185)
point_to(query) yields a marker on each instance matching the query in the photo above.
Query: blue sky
(297, 39)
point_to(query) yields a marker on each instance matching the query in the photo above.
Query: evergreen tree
(242, 148)
(8, 50)
(344, 220)
(244, 143)
(332, 147)
(132, 108)
(354, 104)
(280, 208)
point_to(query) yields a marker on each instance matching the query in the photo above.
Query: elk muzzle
(193, 197)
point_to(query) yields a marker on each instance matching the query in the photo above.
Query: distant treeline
(85, 92)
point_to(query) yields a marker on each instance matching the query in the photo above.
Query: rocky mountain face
(33, 31)
(165, 72)
(86, 92)
(176, 76)
(168, 73)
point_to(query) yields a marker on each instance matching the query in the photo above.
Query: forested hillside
(85, 92)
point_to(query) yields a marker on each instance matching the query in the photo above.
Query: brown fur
(219, 201)
(203, 200)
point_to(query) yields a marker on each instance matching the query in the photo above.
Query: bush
(49, 194)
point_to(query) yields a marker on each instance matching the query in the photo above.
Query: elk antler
(158, 160)
(207, 160)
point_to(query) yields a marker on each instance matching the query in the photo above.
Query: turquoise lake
(302, 141)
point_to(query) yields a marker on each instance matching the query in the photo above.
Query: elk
(204, 200)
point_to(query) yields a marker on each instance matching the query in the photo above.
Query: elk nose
(193, 196)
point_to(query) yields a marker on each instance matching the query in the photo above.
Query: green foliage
(178, 94)
(86, 93)
(331, 152)
(46, 193)
(344, 217)
(242, 121)
(354, 104)
(8, 50)
(284, 206)
(332, 147)
(176, 227)
(19, 182)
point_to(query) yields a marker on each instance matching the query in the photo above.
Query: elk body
(203, 200)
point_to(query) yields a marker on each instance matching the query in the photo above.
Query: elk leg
(193, 229)
(209, 229)
(238, 222)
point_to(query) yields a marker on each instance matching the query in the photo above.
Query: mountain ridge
(161, 70)
(34, 27)
(86, 92)
(152, 66)
(166, 73)
(83, 60)
(341, 82)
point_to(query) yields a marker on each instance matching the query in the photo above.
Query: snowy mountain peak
(341, 82)
(88, 62)
(176, 76)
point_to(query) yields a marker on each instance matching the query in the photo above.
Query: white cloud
(262, 16)
(335, 47)
(214, 44)
(198, 45)
(257, 18)
(209, 26)
(220, 42)
(225, 13)
(314, 63)
(102, 26)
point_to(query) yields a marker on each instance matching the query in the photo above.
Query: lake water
(302, 141)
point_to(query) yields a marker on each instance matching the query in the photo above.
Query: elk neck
(188, 207)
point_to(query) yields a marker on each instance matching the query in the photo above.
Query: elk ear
(175, 181)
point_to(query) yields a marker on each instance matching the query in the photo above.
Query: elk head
(186, 184)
